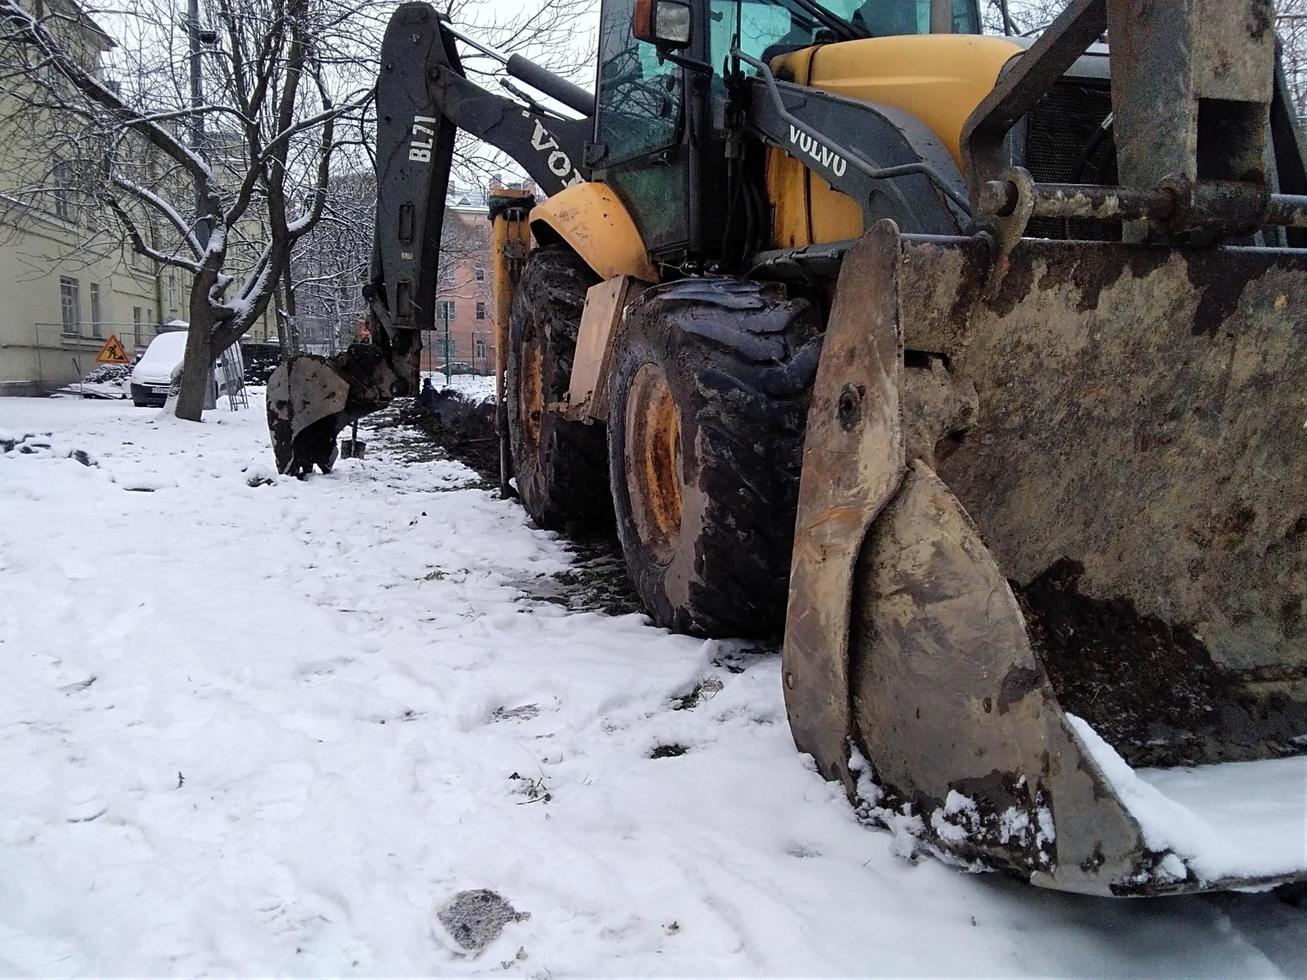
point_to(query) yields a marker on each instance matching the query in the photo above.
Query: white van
(161, 366)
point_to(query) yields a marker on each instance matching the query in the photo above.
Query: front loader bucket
(1050, 568)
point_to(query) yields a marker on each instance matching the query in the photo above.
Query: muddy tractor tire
(708, 403)
(560, 466)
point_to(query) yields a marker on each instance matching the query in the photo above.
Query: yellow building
(56, 308)
(64, 286)
(68, 279)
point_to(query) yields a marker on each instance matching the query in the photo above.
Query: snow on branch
(138, 240)
(164, 207)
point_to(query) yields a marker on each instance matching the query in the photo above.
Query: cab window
(638, 108)
(887, 18)
(767, 28)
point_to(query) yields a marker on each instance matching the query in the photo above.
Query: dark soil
(596, 582)
(464, 428)
(459, 429)
(475, 918)
(667, 751)
(705, 690)
(1150, 688)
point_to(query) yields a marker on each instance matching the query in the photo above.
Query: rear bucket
(1076, 634)
(311, 399)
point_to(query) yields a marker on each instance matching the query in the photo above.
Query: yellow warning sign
(113, 352)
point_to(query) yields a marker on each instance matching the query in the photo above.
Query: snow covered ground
(475, 386)
(274, 728)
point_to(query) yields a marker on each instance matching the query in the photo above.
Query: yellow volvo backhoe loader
(977, 366)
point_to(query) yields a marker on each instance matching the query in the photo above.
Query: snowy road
(271, 729)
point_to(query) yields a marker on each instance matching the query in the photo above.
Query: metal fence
(467, 352)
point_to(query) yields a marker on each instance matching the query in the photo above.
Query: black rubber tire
(561, 467)
(739, 359)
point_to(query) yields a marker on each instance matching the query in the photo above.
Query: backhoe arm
(423, 99)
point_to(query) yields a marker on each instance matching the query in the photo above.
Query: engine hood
(140, 377)
(939, 78)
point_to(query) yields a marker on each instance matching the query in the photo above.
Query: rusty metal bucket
(1050, 568)
(311, 399)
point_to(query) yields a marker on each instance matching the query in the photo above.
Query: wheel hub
(653, 462)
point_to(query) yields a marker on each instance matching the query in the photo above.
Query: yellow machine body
(592, 219)
(940, 79)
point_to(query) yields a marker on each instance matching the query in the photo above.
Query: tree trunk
(283, 328)
(197, 370)
(289, 288)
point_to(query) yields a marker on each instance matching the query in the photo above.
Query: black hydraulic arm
(423, 98)
(573, 96)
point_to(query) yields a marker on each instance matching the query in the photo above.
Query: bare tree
(1027, 16)
(1291, 25)
(324, 295)
(329, 266)
(560, 35)
(226, 207)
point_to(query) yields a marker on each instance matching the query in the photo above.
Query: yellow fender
(592, 219)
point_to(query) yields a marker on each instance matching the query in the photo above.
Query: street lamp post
(449, 374)
(195, 38)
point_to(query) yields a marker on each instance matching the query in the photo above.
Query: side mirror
(663, 23)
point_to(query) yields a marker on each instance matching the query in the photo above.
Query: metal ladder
(234, 383)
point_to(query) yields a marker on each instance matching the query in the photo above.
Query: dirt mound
(1135, 678)
(476, 917)
(1149, 687)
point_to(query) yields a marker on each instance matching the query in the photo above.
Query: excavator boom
(423, 99)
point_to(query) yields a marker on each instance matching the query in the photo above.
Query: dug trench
(455, 427)
(463, 429)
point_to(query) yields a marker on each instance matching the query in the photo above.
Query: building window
(172, 290)
(96, 318)
(481, 311)
(138, 328)
(445, 310)
(480, 274)
(481, 346)
(70, 306)
(62, 192)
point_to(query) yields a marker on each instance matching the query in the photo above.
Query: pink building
(465, 292)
